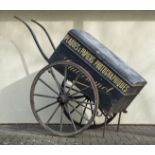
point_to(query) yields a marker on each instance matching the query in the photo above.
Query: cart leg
(105, 123)
(119, 121)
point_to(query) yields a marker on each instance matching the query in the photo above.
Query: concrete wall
(131, 35)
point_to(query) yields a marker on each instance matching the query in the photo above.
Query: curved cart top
(108, 57)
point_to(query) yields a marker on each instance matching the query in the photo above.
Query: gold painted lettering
(102, 68)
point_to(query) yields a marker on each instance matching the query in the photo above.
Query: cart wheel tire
(57, 88)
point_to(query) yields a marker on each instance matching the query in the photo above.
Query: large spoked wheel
(99, 119)
(60, 88)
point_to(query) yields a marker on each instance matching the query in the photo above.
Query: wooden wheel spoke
(73, 83)
(48, 86)
(71, 118)
(83, 114)
(75, 108)
(80, 91)
(91, 102)
(53, 114)
(79, 112)
(72, 88)
(40, 109)
(61, 118)
(83, 102)
(54, 77)
(80, 103)
(82, 84)
(77, 97)
(46, 96)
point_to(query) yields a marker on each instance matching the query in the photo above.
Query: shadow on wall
(13, 64)
(15, 102)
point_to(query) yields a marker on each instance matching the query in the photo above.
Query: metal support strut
(119, 118)
(105, 123)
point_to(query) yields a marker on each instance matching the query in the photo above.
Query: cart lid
(108, 57)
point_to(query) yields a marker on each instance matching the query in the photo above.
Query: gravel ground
(33, 134)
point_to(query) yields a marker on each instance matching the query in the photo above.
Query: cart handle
(47, 34)
(35, 39)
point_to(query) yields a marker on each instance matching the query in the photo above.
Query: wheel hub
(63, 99)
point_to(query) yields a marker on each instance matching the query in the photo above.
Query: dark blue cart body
(117, 83)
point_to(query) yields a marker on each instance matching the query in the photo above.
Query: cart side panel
(115, 94)
(107, 93)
